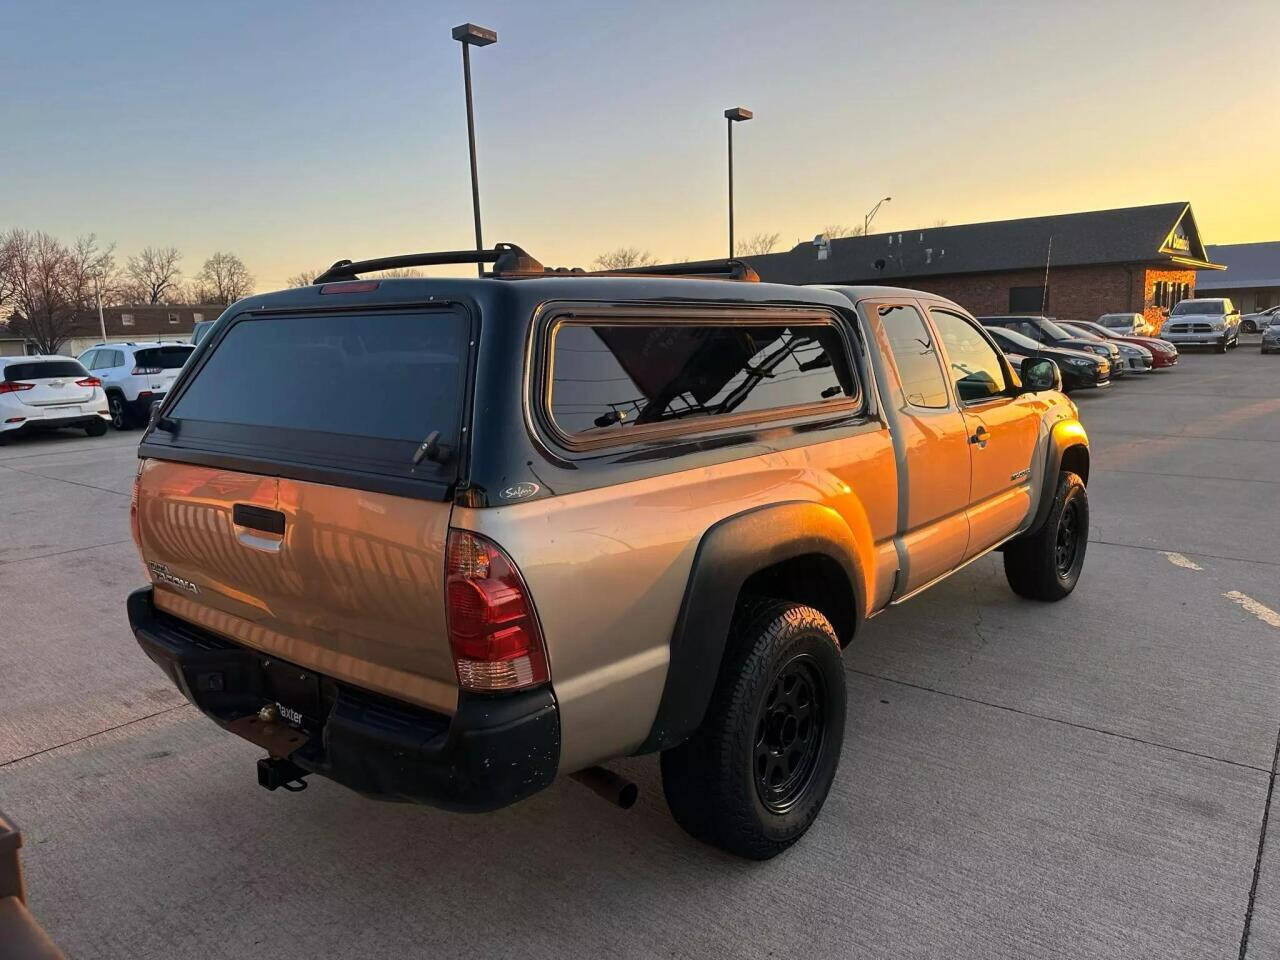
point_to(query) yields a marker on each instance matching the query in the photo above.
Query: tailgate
(299, 500)
(352, 588)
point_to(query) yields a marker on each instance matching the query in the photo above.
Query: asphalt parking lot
(1088, 779)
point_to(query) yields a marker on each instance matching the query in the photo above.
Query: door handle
(979, 437)
(258, 518)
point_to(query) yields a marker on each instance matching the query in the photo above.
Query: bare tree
(400, 273)
(303, 278)
(624, 257)
(223, 279)
(940, 222)
(47, 283)
(154, 273)
(834, 231)
(758, 244)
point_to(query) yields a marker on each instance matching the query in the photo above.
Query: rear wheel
(754, 776)
(1047, 564)
(120, 418)
(95, 428)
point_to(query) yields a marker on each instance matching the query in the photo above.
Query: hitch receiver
(273, 772)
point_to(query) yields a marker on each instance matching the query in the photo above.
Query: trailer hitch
(274, 772)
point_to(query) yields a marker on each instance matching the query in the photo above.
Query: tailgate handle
(258, 518)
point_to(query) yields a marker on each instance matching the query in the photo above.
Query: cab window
(915, 355)
(976, 370)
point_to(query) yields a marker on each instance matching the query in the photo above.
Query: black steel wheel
(752, 779)
(1067, 538)
(1046, 564)
(789, 734)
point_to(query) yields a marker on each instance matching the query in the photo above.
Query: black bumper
(494, 751)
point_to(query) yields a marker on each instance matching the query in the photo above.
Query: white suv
(135, 375)
(50, 391)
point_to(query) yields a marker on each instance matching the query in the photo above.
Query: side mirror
(153, 411)
(1040, 374)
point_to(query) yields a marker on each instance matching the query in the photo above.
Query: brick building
(1138, 259)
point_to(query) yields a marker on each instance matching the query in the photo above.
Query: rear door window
(611, 379)
(163, 358)
(915, 355)
(357, 391)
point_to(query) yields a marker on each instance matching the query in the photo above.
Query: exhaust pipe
(618, 790)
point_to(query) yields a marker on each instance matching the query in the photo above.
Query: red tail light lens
(89, 382)
(493, 629)
(146, 371)
(7, 386)
(350, 286)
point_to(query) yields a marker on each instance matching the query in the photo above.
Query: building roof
(1161, 233)
(1248, 265)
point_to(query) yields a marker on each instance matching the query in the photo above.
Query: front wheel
(1047, 564)
(1249, 326)
(1221, 346)
(752, 779)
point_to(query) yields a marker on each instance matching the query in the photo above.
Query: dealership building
(1073, 266)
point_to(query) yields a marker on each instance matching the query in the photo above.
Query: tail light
(7, 386)
(146, 371)
(493, 629)
(89, 382)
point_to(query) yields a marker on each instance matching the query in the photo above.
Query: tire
(121, 419)
(1221, 347)
(1033, 564)
(96, 428)
(752, 779)
(1249, 326)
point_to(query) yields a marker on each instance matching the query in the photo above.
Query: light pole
(97, 288)
(733, 115)
(866, 222)
(469, 35)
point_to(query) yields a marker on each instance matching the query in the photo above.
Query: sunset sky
(295, 134)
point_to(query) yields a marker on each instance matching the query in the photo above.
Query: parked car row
(1089, 354)
(110, 383)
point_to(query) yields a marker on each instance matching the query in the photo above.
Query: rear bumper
(33, 417)
(494, 751)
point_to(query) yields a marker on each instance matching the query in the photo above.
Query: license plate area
(294, 691)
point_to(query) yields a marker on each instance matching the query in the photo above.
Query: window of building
(1028, 299)
(126, 319)
(173, 318)
(975, 366)
(197, 317)
(608, 379)
(915, 356)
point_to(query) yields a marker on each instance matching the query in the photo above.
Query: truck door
(930, 442)
(1002, 431)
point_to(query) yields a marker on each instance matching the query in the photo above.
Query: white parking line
(1178, 560)
(1259, 610)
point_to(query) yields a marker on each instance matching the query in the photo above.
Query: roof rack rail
(507, 259)
(729, 268)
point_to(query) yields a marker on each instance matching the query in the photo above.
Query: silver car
(1271, 335)
(1208, 321)
(1253, 322)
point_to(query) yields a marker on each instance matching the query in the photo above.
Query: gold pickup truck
(444, 540)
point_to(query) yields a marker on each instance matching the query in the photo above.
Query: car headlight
(1219, 325)
(1082, 362)
(1099, 349)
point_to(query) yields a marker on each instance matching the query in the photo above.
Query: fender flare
(1065, 435)
(727, 555)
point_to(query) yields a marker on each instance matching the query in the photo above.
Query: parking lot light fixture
(733, 115)
(470, 35)
(871, 215)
